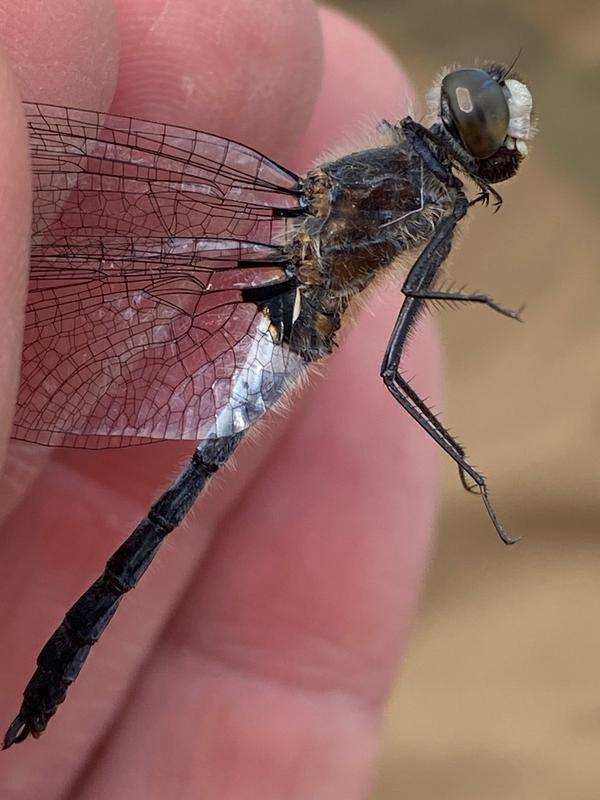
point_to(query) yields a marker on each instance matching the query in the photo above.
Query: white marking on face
(520, 106)
(522, 147)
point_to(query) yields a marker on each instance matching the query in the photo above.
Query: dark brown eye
(478, 108)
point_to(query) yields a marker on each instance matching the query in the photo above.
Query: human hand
(253, 659)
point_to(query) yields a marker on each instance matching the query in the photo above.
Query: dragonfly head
(489, 114)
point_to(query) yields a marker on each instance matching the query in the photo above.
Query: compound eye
(478, 107)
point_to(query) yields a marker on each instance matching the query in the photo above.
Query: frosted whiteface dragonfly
(181, 283)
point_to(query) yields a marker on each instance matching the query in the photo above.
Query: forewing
(144, 236)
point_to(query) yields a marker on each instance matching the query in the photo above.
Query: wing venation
(144, 236)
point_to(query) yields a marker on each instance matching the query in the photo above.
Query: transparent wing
(144, 236)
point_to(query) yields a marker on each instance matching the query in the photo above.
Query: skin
(254, 658)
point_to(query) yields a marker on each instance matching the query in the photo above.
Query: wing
(144, 236)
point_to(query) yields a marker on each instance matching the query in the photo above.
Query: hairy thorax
(364, 211)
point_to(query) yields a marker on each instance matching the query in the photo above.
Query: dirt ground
(499, 696)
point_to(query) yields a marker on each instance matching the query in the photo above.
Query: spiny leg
(422, 406)
(421, 138)
(414, 397)
(64, 654)
(418, 137)
(461, 297)
(417, 284)
(397, 389)
(410, 290)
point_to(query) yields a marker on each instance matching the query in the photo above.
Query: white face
(521, 127)
(520, 106)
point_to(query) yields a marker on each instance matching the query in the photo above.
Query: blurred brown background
(499, 696)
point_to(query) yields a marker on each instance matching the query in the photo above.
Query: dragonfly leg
(417, 290)
(422, 138)
(461, 297)
(428, 414)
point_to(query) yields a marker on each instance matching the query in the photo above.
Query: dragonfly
(182, 283)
